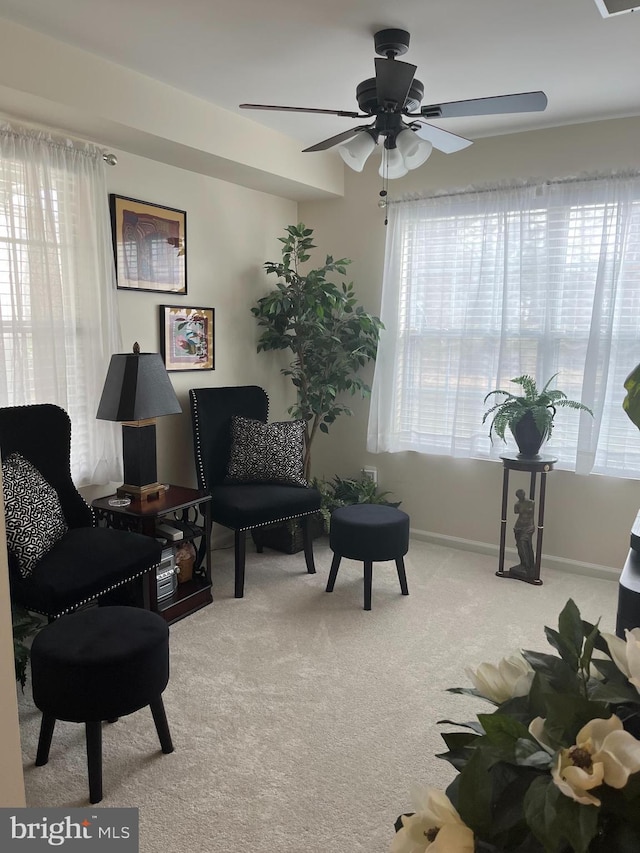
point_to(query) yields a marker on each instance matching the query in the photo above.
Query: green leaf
(555, 819)
(474, 793)
(570, 627)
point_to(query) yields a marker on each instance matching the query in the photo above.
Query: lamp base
(152, 491)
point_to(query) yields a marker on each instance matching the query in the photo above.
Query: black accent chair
(88, 562)
(242, 506)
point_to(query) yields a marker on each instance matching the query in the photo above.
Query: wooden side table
(183, 505)
(538, 465)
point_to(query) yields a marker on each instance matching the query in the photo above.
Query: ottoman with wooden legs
(95, 665)
(372, 533)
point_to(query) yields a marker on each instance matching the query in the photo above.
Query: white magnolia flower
(604, 753)
(626, 654)
(436, 826)
(510, 678)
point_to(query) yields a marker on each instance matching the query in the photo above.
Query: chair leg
(307, 541)
(162, 726)
(94, 759)
(368, 577)
(44, 742)
(240, 550)
(335, 563)
(402, 576)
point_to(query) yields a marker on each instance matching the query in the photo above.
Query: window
(58, 310)
(481, 287)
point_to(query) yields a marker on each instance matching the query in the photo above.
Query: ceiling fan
(395, 93)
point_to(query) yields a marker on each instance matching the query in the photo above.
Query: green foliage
(330, 336)
(345, 491)
(507, 413)
(505, 792)
(24, 626)
(631, 403)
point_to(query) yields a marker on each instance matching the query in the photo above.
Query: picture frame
(149, 245)
(187, 337)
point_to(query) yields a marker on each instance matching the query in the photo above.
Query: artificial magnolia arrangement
(555, 767)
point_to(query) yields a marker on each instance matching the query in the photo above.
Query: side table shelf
(175, 503)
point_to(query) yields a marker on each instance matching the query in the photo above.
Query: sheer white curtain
(58, 311)
(483, 286)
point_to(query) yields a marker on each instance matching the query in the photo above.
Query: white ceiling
(314, 53)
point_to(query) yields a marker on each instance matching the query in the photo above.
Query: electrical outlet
(371, 473)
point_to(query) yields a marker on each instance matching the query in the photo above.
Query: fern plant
(542, 405)
(345, 491)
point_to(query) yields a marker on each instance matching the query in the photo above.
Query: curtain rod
(531, 182)
(109, 157)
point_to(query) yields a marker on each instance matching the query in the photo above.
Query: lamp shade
(414, 151)
(357, 150)
(137, 387)
(392, 165)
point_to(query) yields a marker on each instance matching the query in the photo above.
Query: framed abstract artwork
(187, 337)
(149, 245)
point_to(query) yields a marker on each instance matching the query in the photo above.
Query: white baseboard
(562, 564)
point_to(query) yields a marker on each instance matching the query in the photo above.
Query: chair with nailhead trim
(243, 506)
(88, 563)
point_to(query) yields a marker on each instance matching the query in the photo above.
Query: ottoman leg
(240, 550)
(44, 743)
(402, 576)
(162, 726)
(368, 577)
(333, 573)
(94, 759)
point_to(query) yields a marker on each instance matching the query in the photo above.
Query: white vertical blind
(58, 310)
(484, 286)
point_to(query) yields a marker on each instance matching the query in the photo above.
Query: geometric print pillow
(33, 515)
(267, 453)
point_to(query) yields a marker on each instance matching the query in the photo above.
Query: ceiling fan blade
(393, 81)
(338, 139)
(302, 110)
(525, 102)
(443, 140)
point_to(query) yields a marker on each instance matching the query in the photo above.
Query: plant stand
(538, 465)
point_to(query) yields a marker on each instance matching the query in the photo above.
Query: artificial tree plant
(329, 335)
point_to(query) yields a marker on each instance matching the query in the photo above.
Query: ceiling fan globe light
(414, 151)
(356, 152)
(392, 165)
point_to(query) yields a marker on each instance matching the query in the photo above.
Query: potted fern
(529, 416)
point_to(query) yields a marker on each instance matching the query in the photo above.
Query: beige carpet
(300, 721)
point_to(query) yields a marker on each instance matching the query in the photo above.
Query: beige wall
(11, 777)
(587, 517)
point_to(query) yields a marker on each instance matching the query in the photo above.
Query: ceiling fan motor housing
(367, 96)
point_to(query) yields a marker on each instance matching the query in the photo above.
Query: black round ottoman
(371, 533)
(100, 664)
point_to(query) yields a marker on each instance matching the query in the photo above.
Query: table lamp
(138, 390)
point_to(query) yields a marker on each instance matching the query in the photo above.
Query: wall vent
(609, 8)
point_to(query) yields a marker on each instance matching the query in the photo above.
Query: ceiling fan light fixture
(356, 152)
(392, 165)
(414, 151)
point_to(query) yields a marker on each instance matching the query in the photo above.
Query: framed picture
(149, 244)
(187, 337)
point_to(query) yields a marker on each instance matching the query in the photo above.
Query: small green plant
(541, 404)
(345, 491)
(24, 626)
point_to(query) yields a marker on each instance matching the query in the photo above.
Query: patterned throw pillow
(33, 515)
(266, 453)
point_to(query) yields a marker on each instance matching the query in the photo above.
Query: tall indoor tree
(330, 336)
